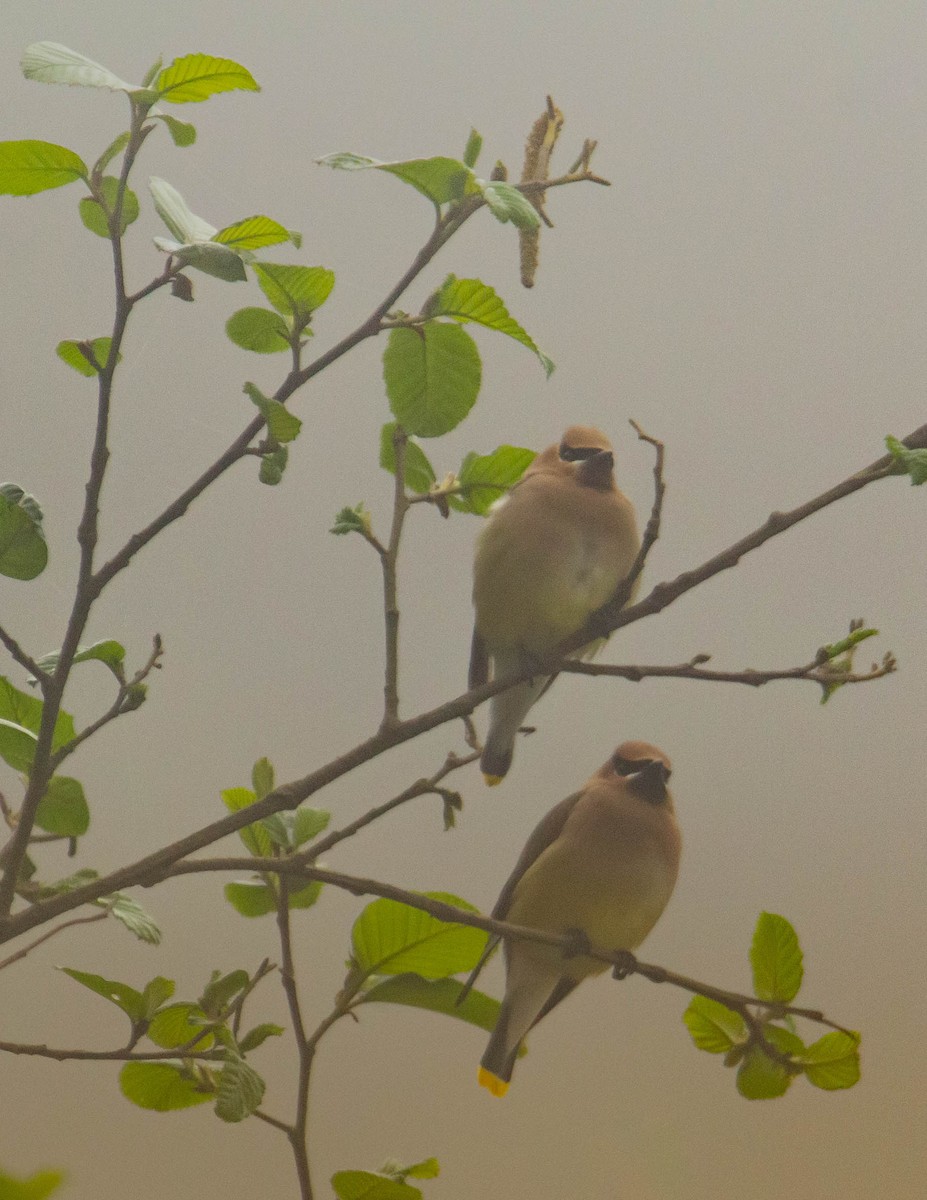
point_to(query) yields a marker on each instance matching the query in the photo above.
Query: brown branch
(99, 916)
(814, 672)
(17, 653)
(297, 1133)
(389, 562)
(157, 865)
(625, 962)
(122, 1055)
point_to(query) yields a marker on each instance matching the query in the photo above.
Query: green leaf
(177, 1025)
(254, 836)
(17, 745)
(913, 461)
(258, 1035)
(258, 330)
(352, 520)
(29, 167)
(473, 300)
(305, 897)
(430, 1168)
(507, 203)
(63, 809)
(23, 552)
(273, 464)
(163, 1086)
(419, 472)
(848, 643)
(182, 132)
(487, 477)
(262, 777)
(440, 179)
(390, 938)
(282, 425)
(472, 149)
(120, 994)
(761, 1078)
(435, 995)
(832, 1062)
(83, 355)
(251, 897)
(432, 377)
(253, 233)
(209, 257)
(308, 823)
(176, 214)
(110, 652)
(713, 1026)
(25, 711)
(50, 62)
(295, 291)
(155, 993)
(365, 1185)
(93, 214)
(776, 958)
(240, 1090)
(36, 1187)
(116, 146)
(131, 914)
(222, 989)
(196, 77)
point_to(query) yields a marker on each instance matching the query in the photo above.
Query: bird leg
(626, 966)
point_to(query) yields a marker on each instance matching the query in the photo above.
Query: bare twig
(297, 1133)
(813, 672)
(98, 916)
(19, 654)
(389, 562)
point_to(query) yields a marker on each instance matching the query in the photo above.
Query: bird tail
(506, 713)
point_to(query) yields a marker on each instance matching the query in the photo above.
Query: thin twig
(19, 654)
(298, 1132)
(389, 562)
(621, 959)
(813, 672)
(98, 916)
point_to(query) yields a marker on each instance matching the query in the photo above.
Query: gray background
(752, 290)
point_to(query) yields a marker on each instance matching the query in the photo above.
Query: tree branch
(17, 653)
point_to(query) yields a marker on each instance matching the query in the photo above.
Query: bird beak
(649, 783)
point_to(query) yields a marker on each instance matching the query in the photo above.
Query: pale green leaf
(254, 836)
(50, 62)
(63, 809)
(486, 477)
(713, 1026)
(440, 179)
(240, 1090)
(432, 376)
(390, 938)
(163, 1086)
(94, 216)
(832, 1062)
(282, 425)
(258, 330)
(258, 1035)
(295, 291)
(506, 203)
(110, 652)
(131, 914)
(196, 77)
(36, 1187)
(366, 1185)
(253, 233)
(435, 995)
(182, 132)
(177, 1025)
(776, 958)
(86, 357)
(120, 994)
(24, 711)
(23, 551)
(31, 166)
(174, 211)
(473, 300)
(419, 473)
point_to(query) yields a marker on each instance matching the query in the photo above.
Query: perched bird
(553, 550)
(601, 865)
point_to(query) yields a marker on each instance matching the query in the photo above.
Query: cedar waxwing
(602, 863)
(552, 552)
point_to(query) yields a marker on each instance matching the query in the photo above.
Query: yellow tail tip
(492, 1083)
(492, 780)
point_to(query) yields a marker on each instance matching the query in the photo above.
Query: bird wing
(547, 830)
(479, 661)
